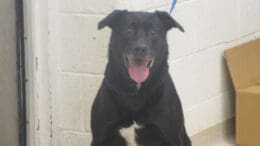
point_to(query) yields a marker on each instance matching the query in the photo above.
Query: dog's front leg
(170, 124)
(174, 133)
(170, 133)
(104, 122)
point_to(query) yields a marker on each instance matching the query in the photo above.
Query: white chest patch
(129, 134)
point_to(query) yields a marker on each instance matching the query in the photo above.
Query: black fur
(156, 105)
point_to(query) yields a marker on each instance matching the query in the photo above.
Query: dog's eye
(153, 31)
(129, 30)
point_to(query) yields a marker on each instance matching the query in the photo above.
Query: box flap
(252, 89)
(244, 64)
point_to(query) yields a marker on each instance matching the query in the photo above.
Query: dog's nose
(140, 50)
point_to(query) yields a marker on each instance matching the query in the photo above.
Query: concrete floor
(220, 135)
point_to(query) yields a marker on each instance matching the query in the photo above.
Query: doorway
(12, 95)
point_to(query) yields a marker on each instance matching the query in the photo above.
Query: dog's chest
(129, 134)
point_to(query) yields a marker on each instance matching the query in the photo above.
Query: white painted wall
(75, 58)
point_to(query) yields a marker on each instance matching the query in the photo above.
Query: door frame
(37, 66)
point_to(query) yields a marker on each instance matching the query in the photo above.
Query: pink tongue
(138, 71)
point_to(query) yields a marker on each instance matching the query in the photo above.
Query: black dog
(137, 103)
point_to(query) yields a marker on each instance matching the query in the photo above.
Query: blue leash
(173, 5)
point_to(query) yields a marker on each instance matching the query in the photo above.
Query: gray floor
(220, 135)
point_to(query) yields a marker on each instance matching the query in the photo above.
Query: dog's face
(138, 40)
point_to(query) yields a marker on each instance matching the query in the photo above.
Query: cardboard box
(244, 66)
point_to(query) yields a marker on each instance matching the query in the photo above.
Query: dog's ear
(168, 21)
(112, 19)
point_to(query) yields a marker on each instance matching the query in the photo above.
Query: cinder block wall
(196, 58)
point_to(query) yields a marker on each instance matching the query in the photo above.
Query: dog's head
(138, 42)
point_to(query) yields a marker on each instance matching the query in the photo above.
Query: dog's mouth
(139, 68)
